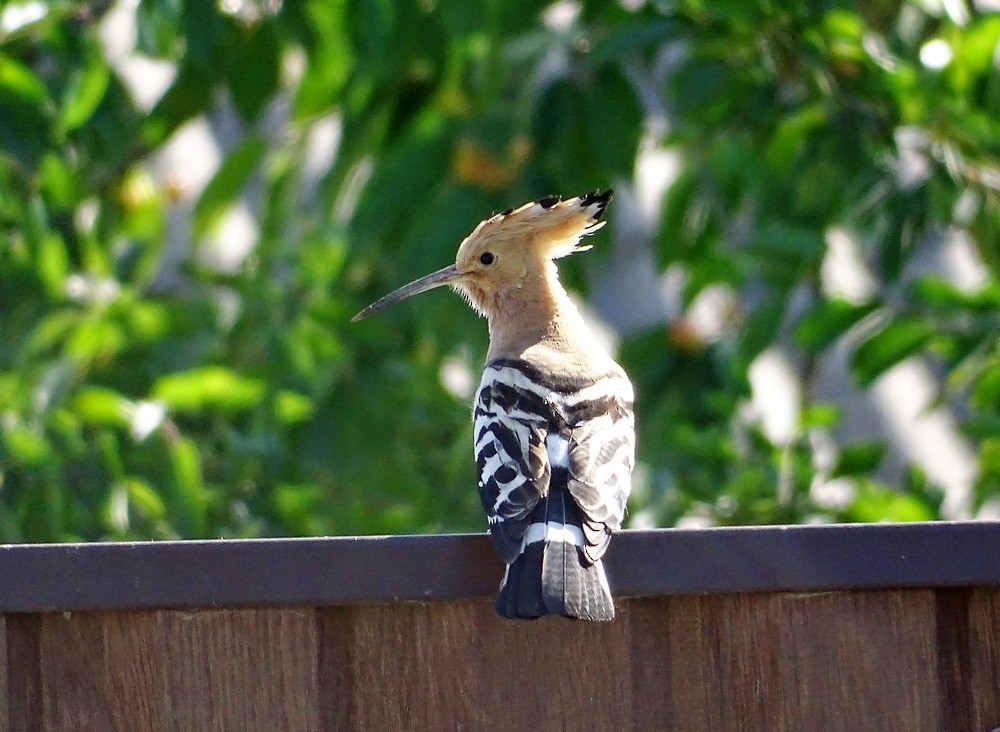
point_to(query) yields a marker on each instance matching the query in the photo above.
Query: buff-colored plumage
(552, 419)
(519, 291)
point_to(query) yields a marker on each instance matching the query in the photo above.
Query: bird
(553, 425)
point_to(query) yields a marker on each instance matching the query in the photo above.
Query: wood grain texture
(4, 688)
(871, 656)
(459, 666)
(670, 674)
(412, 667)
(983, 671)
(242, 669)
(337, 676)
(954, 648)
(551, 673)
(886, 660)
(75, 673)
(706, 663)
(24, 681)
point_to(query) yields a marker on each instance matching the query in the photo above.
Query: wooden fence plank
(871, 656)
(74, 673)
(983, 674)
(411, 665)
(757, 654)
(136, 681)
(24, 705)
(4, 688)
(459, 666)
(336, 675)
(553, 673)
(955, 691)
(743, 638)
(242, 669)
(669, 673)
(707, 663)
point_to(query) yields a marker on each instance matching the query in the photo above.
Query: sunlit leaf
(291, 407)
(208, 387)
(877, 503)
(83, 93)
(101, 406)
(228, 183)
(24, 446)
(190, 503)
(829, 320)
(53, 265)
(882, 350)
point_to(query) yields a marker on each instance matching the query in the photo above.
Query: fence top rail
(380, 569)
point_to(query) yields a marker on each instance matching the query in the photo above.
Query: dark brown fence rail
(877, 627)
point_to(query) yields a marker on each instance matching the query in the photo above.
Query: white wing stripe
(553, 531)
(611, 386)
(558, 451)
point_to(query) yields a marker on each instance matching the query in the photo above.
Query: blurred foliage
(146, 397)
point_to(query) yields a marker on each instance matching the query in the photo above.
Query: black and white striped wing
(601, 457)
(510, 430)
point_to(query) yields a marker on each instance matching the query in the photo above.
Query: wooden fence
(883, 627)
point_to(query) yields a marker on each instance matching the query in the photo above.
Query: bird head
(506, 250)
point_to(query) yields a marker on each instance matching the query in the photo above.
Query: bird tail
(552, 575)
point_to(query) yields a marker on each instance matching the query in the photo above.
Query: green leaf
(52, 264)
(943, 295)
(190, 507)
(877, 503)
(676, 219)
(227, 183)
(785, 252)
(562, 140)
(145, 498)
(25, 111)
(626, 38)
(986, 390)
(616, 126)
(25, 447)
(829, 320)
(792, 135)
(60, 184)
(298, 506)
(207, 388)
(859, 458)
(17, 80)
(156, 28)
(291, 407)
(759, 329)
(83, 94)
(898, 340)
(825, 416)
(255, 72)
(328, 51)
(189, 95)
(101, 406)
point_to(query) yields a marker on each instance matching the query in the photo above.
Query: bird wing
(601, 457)
(510, 429)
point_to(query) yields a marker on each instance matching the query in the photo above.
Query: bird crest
(549, 227)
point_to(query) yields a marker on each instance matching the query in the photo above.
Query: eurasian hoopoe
(553, 425)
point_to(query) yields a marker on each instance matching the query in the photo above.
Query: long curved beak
(445, 276)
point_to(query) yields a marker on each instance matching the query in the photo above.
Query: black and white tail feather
(555, 460)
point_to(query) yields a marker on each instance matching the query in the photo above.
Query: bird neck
(536, 315)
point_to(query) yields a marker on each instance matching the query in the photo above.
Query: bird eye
(487, 258)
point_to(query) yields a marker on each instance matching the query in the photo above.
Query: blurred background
(800, 271)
